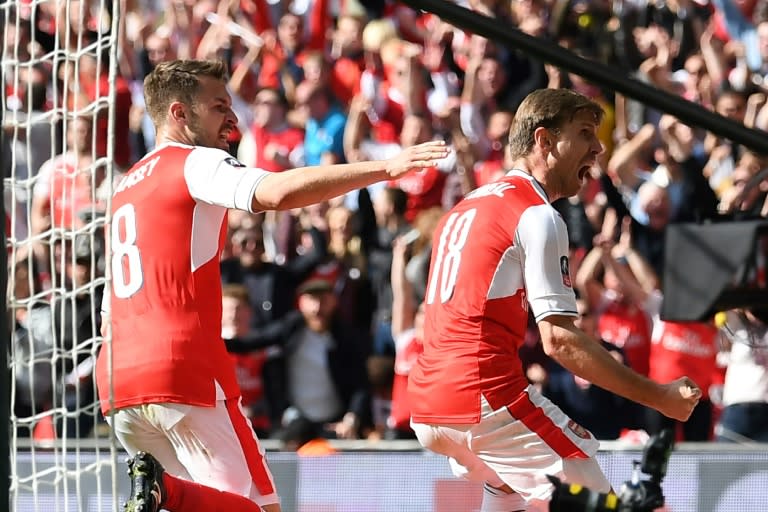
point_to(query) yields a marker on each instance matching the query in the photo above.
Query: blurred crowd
(322, 304)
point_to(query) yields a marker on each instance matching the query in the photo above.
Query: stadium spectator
(499, 252)
(424, 190)
(346, 55)
(443, 83)
(271, 286)
(33, 341)
(76, 26)
(724, 154)
(324, 124)
(650, 211)
(96, 83)
(745, 392)
(377, 35)
(492, 165)
(236, 315)
(167, 383)
(407, 331)
(77, 325)
(271, 143)
(67, 184)
(317, 70)
(33, 146)
(324, 374)
(381, 221)
(271, 289)
(156, 48)
(680, 172)
(347, 255)
(616, 295)
(744, 197)
(417, 267)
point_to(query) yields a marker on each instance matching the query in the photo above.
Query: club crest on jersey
(579, 430)
(234, 162)
(565, 272)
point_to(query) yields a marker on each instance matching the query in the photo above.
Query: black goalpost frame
(688, 112)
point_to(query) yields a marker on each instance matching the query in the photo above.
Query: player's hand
(417, 157)
(679, 398)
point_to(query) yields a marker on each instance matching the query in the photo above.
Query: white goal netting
(58, 147)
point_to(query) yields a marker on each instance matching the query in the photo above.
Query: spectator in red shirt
(96, 83)
(271, 144)
(347, 55)
(408, 332)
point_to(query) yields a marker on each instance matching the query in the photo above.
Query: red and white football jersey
(498, 252)
(166, 235)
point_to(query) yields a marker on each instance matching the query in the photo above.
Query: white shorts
(519, 445)
(213, 446)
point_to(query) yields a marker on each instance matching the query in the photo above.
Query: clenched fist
(678, 398)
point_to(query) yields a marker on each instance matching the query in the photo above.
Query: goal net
(58, 147)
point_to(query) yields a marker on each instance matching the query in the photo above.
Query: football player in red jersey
(166, 383)
(500, 252)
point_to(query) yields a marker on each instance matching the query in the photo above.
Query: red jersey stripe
(538, 422)
(257, 466)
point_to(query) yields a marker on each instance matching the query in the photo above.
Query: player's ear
(542, 138)
(177, 111)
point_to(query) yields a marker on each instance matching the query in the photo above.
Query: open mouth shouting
(584, 171)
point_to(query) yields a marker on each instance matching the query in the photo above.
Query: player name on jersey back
(137, 175)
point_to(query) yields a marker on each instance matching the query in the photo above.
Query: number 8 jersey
(166, 235)
(498, 252)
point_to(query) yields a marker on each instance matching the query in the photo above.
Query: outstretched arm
(309, 185)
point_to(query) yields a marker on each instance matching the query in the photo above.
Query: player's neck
(168, 135)
(536, 169)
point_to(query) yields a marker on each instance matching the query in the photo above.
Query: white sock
(495, 500)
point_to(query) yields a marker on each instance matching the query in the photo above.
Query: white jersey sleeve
(215, 177)
(543, 237)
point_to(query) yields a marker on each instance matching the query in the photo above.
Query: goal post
(5, 394)
(57, 119)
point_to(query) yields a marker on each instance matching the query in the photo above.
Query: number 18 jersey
(499, 251)
(166, 236)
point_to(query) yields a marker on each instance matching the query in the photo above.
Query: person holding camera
(498, 253)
